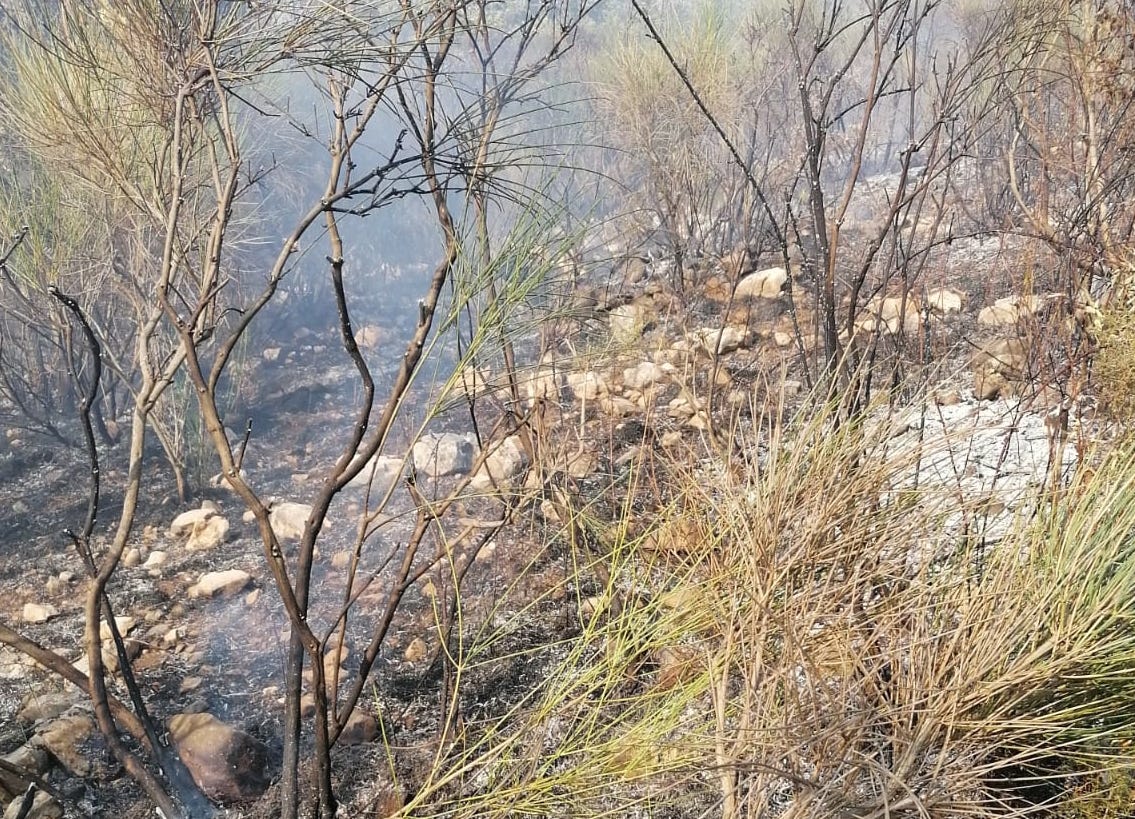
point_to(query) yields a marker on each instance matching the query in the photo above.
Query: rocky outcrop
(437, 455)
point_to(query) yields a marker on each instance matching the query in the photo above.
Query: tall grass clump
(813, 640)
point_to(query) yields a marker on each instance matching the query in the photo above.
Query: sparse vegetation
(719, 444)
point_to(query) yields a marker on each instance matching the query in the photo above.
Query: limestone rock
(505, 461)
(587, 386)
(132, 558)
(627, 322)
(890, 315)
(155, 560)
(222, 583)
(43, 807)
(449, 453)
(360, 729)
(764, 284)
(227, 764)
(49, 705)
(184, 523)
(386, 471)
(1009, 310)
(946, 300)
(722, 339)
(644, 375)
(77, 745)
(207, 534)
(39, 612)
(288, 519)
(29, 758)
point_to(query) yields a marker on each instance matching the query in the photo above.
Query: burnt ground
(226, 655)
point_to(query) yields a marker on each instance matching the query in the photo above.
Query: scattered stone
(506, 460)
(125, 625)
(671, 438)
(946, 300)
(627, 322)
(184, 523)
(764, 284)
(208, 534)
(542, 384)
(132, 558)
(368, 336)
(360, 729)
(989, 384)
(722, 339)
(38, 707)
(271, 354)
(1005, 356)
(227, 764)
(449, 453)
(642, 376)
(587, 386)
(43, 807)
(386, 471)
(76, 744)
(20, 508)
(289, 519)
(782, 339)
(416, 651)
(39, 612)
(223, 583)
(155, 560)
(28, 757)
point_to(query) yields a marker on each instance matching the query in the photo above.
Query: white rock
(39, 612)
(125, 625)
(946, 300)
(208, 534)
(724, 339)
(289, 519)
(505, 461)
(764, 284)
(627, 322)
(386, 471)
(223, 583)
(154, 560)
(447, 453)
(1009, 310)
(889, 315)
(587, 386)
(183, 524)
(542, 384)
(642, 376)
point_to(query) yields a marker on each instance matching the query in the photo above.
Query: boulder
(207, 534)
(184, 523)
(587, 386)
(28, 758)
(227, 764)
(38, 612)
(360, 729)
(288, 519)
(1009, 310)
(946, 300)
(385, 469)
(890, 315)
(43, 807)
(764, 284)
(76, 744)
(542, 384)
(48, 705)
(449, 453)
(1005, 356)
(642, 376)
(223, 583)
